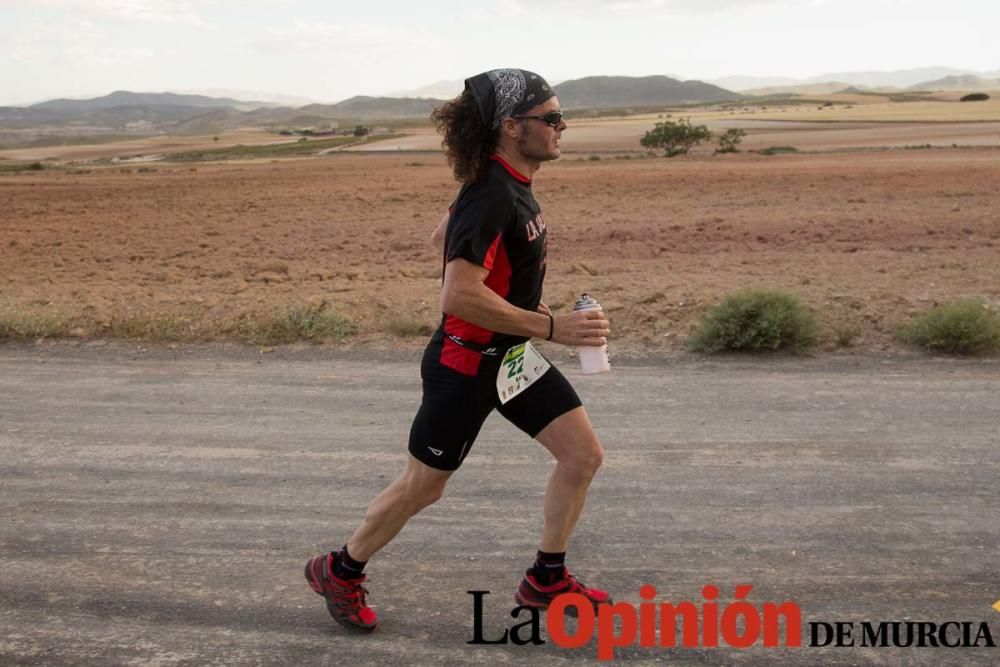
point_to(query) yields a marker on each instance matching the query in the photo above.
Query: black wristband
(552, 326)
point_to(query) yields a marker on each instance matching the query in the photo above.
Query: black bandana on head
(502, 93)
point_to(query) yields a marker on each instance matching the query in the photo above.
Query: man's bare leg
(418, 487)
(572, 441)
(340, 583)
(578, 453)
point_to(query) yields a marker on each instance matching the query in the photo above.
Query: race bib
(521, 366)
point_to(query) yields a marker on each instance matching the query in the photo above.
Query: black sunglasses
(552, 118)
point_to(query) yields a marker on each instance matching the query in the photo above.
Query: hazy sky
(332, 50)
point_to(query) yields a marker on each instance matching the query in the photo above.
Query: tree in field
(729, 139)
(360, 130)
(675, 137)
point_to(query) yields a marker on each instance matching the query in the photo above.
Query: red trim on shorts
(459, 358)
(513, 172)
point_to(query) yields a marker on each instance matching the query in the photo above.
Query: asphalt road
(157, 506)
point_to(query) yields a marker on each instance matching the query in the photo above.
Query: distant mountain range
(124, 112)
(895, 79)
(124, 98)
(274, 99)
(173, 113)
(827, 88)
(899, 79)
(128, 112)
(376, 108)
(442, 90)
(646, 91)
(963, 82)
(966, 82)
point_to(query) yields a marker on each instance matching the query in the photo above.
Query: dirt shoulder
(868, 239)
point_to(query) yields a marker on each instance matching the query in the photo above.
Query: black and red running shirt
(497, 224)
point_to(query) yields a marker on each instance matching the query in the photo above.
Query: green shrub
(675, 137)
(777, 150)
(975, 97)
(729, 140)
(18, 168)
(756, 320)
(960, 327)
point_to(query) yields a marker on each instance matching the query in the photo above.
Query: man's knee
(593, 459)
(585, 461)
(420, 492)
(431, 494)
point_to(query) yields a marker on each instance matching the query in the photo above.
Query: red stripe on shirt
(491, 254)
(455, 356)
(498, 279)
(513, 172)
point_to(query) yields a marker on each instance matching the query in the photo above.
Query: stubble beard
(526, 150)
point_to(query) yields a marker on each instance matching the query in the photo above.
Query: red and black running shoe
(345, 598)
(532, 594)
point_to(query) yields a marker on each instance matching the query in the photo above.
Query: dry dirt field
(156, 145)
(867, 238)
(620, 136)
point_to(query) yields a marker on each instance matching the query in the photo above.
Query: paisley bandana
(502, 93)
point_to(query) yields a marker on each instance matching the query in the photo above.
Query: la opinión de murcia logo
(707, 624)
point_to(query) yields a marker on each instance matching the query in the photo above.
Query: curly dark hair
(467, 140)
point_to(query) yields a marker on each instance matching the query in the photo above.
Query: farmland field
(867, 237)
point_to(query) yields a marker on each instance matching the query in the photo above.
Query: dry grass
(315, 322)
(32, 324)
(409, 328)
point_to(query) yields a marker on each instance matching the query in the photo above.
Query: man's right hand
(581, 327)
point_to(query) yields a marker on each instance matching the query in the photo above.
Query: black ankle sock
(548, 567)
(346, 567)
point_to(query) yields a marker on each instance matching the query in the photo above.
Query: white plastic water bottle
(593, 359)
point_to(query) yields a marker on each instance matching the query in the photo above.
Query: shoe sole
(332, 609)
(343, 622)
(570, 610)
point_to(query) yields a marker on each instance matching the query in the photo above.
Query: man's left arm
(437, 236)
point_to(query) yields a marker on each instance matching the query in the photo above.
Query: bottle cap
(584, 301)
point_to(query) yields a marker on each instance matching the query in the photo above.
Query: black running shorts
(455, 405)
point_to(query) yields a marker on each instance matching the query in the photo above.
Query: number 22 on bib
(521, 366)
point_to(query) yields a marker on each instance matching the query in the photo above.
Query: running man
(497, 133)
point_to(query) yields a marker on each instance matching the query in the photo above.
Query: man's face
(538, 140)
